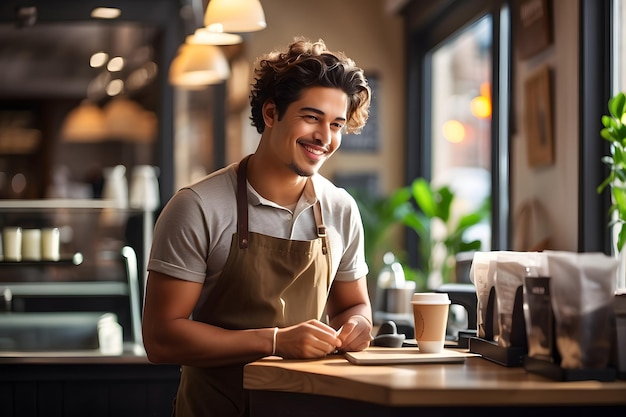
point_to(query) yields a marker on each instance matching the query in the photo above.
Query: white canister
(116, 186)
(51, 244)
(31, 244)
(144, 188)
(12, 243)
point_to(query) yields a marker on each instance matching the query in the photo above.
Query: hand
(308, 340)
(355, 334)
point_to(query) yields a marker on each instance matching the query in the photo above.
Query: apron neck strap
(242, 203)
(321, 229)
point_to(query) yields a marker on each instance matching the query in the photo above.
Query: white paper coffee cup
(31, 244)
(50, 244)
(430, 315)
(12, 243)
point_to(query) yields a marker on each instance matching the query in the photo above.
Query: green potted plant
(438, 250)
(614, 131)
(419, 207)
(381, 217)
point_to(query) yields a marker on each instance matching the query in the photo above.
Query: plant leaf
(470, 246)
(418, 223)
(604, 184)
(616, 105)
(469, 220)
(444, 197)
(607, 133)
(423, 195)
(621, 239)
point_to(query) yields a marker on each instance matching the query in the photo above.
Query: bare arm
(171, 337)
(349, 309)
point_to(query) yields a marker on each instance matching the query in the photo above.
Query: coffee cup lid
(430, 298)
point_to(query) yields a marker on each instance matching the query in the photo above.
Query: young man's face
(310, 130)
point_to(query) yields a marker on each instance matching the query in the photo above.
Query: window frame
(596, 27)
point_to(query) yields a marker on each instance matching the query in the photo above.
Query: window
(458, 130)
(461, 120)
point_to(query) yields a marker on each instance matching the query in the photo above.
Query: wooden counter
(333, 385)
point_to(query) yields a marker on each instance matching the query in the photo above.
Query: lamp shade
(197, 66)
(85, 123)
(127, 120)
(203, 36)
(234, 16)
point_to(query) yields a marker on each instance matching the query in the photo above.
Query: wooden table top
(476, 382)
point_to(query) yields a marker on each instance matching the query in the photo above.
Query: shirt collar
(308, 195)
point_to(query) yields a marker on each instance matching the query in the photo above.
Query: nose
(324, 134)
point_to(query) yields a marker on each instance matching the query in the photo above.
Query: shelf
(75, 260)
(56, 203)
(70, 289)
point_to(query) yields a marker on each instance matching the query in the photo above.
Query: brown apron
(266, 282)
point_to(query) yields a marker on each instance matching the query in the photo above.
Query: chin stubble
(299, 171)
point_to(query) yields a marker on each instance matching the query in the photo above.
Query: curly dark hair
(281, 76)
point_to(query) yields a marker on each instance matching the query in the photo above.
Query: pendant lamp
(234, 16)
(127, 120)
(197, 66)
(203, 36)
(85, 123)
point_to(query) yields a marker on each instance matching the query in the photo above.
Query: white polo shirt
(193, 233)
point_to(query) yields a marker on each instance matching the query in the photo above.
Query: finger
(360, 346)
(319, 339)
(330, 343)
(348, 339)
(349, 331)
(323, 327)
(321, 348)
(326, 334)
(357, 338)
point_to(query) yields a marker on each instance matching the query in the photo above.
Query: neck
(282, 186)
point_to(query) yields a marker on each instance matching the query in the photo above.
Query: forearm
(187, 342)
(169, 335)
(364, 310)
(349, 299)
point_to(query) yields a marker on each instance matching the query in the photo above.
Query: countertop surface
(476, 382)
(132, 354)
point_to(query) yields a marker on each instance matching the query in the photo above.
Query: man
(273, 265)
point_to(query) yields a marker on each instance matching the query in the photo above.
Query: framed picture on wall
(367, 140)
(533, 26)
(365, 183)
(538, 107)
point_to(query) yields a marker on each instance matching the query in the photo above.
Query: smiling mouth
(313, 149)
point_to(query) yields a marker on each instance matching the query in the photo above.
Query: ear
(270, 113)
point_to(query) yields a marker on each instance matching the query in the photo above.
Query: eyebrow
(321, 113)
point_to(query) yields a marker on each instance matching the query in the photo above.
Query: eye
(337, 125)
(311, 117)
